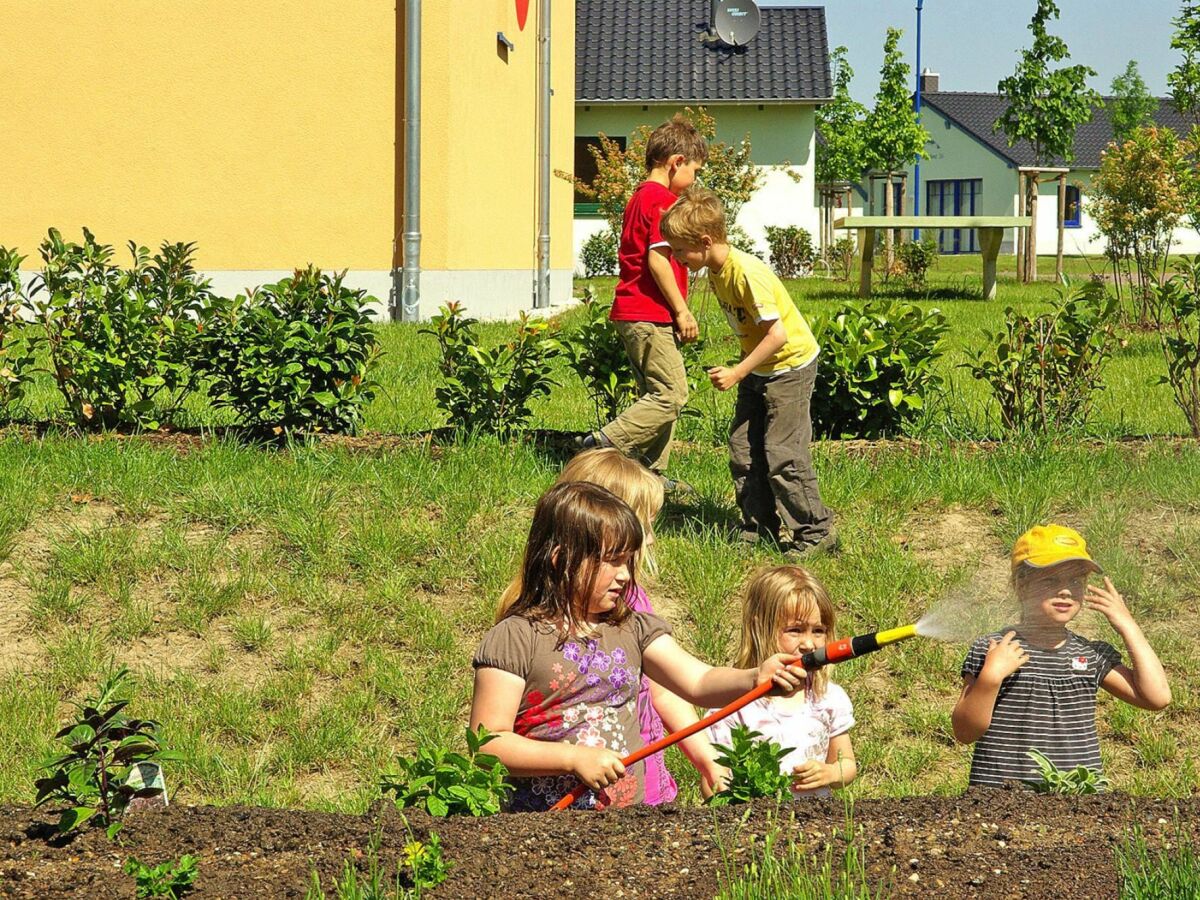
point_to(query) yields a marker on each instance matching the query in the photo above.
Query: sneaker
(673, 487)
(592, 441)
(830, 543)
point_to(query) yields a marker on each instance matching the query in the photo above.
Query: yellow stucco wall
(480, 164)
(266, 131)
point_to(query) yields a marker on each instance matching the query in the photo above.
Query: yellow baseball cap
(1049, 545)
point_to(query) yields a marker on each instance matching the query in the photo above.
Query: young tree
(1131, 106)
(892, 134)
(841, 155)
(1045, 107)
(1184, 80)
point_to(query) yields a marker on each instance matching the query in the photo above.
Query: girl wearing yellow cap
(1033, 685)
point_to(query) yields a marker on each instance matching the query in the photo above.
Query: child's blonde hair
(698, 212)
(775, 597)
(627, 479)
(678, 136)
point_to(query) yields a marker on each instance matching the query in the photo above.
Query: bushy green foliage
(753, 762)
(916, 258)
(840, 257)
(877, 369)
(17, 340)
(490, 390)
(842, 154)
(892, 133)
(597, 354)
(104, 746)
(171, 879)
(121, 341)
(1169, 873)
(1044, 371)
(791, 249)
(1176, 311)
(738, 237)
(445, 783)
(599, 254)
(1132, 105)
(292, 357)
(1079, 780)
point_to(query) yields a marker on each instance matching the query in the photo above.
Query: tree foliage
(892, 134)
(1132, 105)
(1184, 79)
(842, 152)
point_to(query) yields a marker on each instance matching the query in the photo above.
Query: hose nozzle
(848, 648)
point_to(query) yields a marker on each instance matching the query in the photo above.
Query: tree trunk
(903, 196)
(1022, 197)
(1031, 244)
(888, 210)
(1062, 218)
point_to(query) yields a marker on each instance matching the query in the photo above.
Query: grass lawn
(297, 618)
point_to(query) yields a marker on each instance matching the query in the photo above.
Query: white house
(639, 62)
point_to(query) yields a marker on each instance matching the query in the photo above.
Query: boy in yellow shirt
(769, 457)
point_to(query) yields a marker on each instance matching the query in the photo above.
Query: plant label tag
(1079, 663)
(147, 775)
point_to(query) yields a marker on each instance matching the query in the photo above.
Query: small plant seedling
(754, 765)
(1079, 780)
(445, 783)
(171, 879)
(104, 748)
(427, 868)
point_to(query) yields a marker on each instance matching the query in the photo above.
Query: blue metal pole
(917, 106)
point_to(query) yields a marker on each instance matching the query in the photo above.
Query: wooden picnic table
(990, 229)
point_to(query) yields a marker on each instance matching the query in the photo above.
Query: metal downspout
(410, 288)
(541, 298)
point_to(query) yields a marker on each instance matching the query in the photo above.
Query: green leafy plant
(490, 390)
(737, 236)
(1079, 780)
(446, 783)
(878, 367)
(599, 254)
(104, 746)
(1168, 873)
(17, 340)
(1176, 311)
(171, 879)
(1044, 371)
(292, 357)
(792, 251)
(840, 256)
(842, 153)
(597, 355)
(753, 763)
(916, 258)
(121, 341)
(426, 864)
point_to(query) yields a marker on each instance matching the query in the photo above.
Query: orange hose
(667, 740)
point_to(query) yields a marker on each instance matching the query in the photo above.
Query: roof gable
(976, 114)
(629, 51)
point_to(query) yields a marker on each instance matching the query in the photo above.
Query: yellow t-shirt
(753, 297)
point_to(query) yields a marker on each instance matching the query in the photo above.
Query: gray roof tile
(638, 50)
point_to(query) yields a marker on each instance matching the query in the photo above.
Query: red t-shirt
(638, 298)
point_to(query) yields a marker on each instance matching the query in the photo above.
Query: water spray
(838, 651)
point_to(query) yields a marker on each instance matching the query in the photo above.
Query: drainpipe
(410, 287)
(541, 298)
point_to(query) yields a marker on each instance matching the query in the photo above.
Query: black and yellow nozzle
(848, 648)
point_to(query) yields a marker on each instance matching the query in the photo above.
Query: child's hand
(1004, 657)
(810, 775)
(713, 779)
(723, 377)
(596, 767)
(1106, 600)
(778, 669)
(685, 327)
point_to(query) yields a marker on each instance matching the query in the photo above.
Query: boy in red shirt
(650, 307)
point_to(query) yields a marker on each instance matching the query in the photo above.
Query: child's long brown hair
(575, 527)
(774, 598)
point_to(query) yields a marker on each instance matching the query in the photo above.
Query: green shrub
(104, 747)
(739, 238)
(916, 258)
(171, 879)
(292, 357)
(17, 341)
(597, 354)
(444, 783)
(1044, 371)
(599, 254)
(490, 390)
(840, 256)
(877, 368)
(121, 341)
(753, 763)
(791, 250)
(1053, 780)
(1176, 311)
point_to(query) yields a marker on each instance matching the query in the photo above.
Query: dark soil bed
(984, 844)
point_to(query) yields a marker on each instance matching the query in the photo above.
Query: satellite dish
(735, 22)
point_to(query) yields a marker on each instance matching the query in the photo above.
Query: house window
(585, 171)
(955, 197)
(1073, 208)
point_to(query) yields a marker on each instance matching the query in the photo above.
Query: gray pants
(769, 458)
(644, 430)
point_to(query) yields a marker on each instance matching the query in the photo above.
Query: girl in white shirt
(787, 610)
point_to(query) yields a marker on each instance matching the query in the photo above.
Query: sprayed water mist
(981, 604)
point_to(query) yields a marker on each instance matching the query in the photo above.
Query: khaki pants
(769, 458)
(645, 429)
